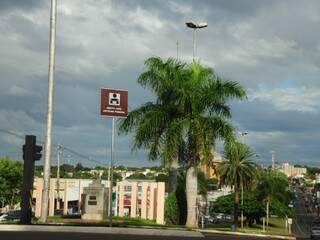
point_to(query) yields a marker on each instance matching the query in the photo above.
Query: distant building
(209, 169)
(292, 171)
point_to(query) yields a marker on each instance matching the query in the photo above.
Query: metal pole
(47, 164)
(194, 43)
(58, 175)
(177, 50)
(241, 205)
(111, 172)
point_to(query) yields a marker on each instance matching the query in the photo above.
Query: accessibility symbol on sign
(114, 99)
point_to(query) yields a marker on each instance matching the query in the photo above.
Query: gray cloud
(270, 47)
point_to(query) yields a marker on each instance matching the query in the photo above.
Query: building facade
(292, 171)
(133, 198)
(144, 199)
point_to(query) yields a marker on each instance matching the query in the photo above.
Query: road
(303, 220)
(90, 236)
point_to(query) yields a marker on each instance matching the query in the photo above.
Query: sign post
(114, 103)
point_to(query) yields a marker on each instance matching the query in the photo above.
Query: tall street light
(242, 134)
(194, 25)
(47, 157)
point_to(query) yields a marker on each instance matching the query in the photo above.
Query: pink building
(134, 198)
(140, 198)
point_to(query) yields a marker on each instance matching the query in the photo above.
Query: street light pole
(58, 174)
(47, 164)
(195, 26)
(242, 135)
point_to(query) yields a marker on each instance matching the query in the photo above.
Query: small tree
(239, 171)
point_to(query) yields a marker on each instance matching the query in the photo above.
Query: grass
(116, 222)
(276, 227)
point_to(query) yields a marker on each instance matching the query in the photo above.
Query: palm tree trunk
(191, 192)
(173, 167)
(236, 207)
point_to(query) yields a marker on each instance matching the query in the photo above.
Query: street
(303, 220)
(90, 236)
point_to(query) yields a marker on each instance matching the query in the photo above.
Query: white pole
(241, 205)
(47, 164)
(58, 175)
(111, 172)
(194, 43)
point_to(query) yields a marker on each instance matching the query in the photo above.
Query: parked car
(3, 217)
(315, 232)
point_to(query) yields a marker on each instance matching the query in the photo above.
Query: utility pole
(59, 152)
(47, 163)
(273, 159)
(177, 50)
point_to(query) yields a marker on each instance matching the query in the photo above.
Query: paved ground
(303, 220)
(90, 236)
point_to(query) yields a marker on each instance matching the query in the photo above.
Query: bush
(171, 209)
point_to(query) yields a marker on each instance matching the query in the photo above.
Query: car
(315, 232)
(4, 217)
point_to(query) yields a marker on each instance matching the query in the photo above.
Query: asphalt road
(303, 220)
(90, 236)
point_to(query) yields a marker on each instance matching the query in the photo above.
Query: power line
(82, 156)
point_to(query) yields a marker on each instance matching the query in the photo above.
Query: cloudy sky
(270, 47)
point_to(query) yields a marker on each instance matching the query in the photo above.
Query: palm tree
(238, 171)
(151, 122)
(187, 117)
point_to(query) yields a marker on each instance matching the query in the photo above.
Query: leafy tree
(223, 204)
(239, 171)
(11, 174)
(137, 176)
(162, 178)
(151, 122)
(272, 188)
(253, 208)
(66, 168)
(79, 167)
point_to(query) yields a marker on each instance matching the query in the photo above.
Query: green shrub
(171, 209)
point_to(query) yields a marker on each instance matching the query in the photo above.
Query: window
(127, 188)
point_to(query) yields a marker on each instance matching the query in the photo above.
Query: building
(209, 169)
(70, 191)
(140, 198)
(134, 198)
(292, 171)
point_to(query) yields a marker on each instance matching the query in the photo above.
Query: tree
(189, 115)
(152, 120)
(252, 208)
(238, 171)
(79, 167)
(272, 188)
(11, 174)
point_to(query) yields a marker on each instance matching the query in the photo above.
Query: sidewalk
(102, 230)
(247, 234)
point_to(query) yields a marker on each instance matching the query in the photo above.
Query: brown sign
(114, 102)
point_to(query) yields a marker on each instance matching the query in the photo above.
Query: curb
(101, 230)
(247, 234)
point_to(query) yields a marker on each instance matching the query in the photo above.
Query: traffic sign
(114, 102)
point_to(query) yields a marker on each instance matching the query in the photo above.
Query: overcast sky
(270, 47)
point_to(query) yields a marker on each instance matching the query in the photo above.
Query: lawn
(276, 227)
(116, 222)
